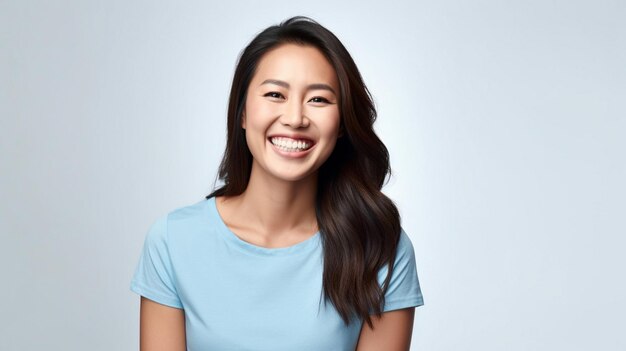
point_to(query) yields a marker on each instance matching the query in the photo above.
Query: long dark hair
(359, 225)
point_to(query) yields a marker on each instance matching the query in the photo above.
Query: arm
(161, 327)
(391, 332)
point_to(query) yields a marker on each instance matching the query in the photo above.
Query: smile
(291, 145)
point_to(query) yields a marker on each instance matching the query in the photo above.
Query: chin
(294, 177)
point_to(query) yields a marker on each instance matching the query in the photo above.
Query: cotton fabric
(239, 296)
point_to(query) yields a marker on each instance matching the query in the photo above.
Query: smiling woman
(292, 123)
(299, 249)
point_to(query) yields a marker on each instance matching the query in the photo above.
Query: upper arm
(391, 332)
(161, 327)
(162, 318)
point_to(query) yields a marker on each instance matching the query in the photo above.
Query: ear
(340, 131)
(243, 120)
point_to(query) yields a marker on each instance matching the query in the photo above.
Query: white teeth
(290, 144)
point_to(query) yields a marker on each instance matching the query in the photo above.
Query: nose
(294, 115)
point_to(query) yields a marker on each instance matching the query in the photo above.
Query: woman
(293, 251)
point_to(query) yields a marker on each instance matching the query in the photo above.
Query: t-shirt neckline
(303, 246)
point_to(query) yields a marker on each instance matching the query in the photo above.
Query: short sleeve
(404, 288)
(154, 276)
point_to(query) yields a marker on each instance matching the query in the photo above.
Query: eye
(320, 99)
(273, 94)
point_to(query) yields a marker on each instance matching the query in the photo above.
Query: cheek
(259, 114)
(330, 124)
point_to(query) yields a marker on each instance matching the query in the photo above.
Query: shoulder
(169, 224)
(405, 246)
(405, 254)
(188, 212)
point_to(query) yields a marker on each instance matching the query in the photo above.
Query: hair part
(359, 225)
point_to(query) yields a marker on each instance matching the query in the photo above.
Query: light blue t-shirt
(239, 296)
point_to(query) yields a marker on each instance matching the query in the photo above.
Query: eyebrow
(309, 87)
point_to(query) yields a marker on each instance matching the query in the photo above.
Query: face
(291, 116)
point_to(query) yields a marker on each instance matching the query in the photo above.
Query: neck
(276, 207)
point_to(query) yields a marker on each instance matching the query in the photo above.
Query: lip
(291, 154)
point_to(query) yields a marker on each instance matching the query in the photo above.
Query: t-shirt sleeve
(404, 288)
(154, 277)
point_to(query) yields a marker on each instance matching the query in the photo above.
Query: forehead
(295, 64)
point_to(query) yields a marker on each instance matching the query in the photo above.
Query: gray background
(505, 122)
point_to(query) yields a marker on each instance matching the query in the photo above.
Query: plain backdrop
(505, 122)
